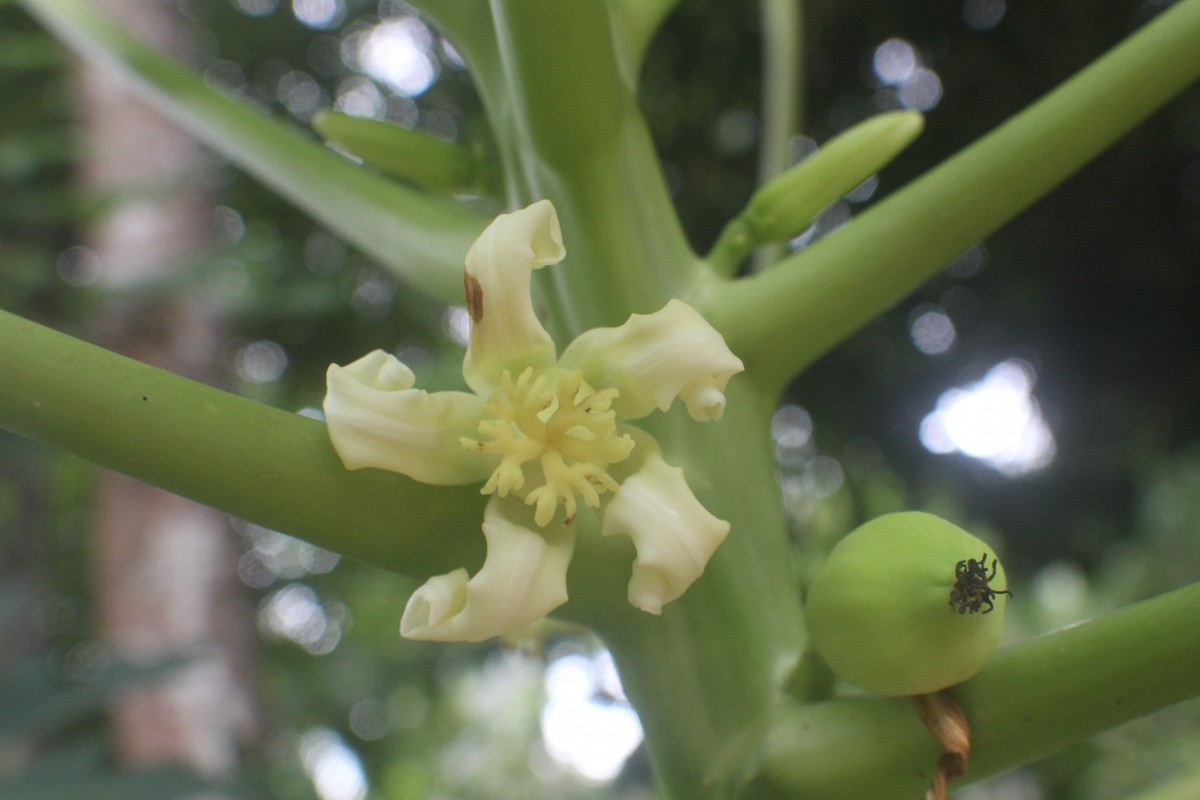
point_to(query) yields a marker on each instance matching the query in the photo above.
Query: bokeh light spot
(823, 476)
(456, 324)
(996, 420)
(969, 263)
(791, 426)
(80, 266)
(373, 295)
(320, 14)
(225, 74)
(894, 61)
(587, 725)
(983, 15)
(334, 769)
(360, 97)
(931, 330)
(922, 90)
(864, 191)
(228, 225)
(368, 719)
(736, 132)
(324, 253)
(263, 361)
(397, 53)
(300, 93)
(294, 612)
(256, 8)
(1061, 592)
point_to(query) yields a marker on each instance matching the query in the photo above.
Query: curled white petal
(505, 331)
(673, 533)
(439, 599)
(376, 419)
(523, 578)
(705, 397)
(654, 358)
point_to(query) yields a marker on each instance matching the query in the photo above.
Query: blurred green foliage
(53, 736)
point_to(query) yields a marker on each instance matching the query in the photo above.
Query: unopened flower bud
(788, 204)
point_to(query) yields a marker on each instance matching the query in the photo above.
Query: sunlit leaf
(412, 155)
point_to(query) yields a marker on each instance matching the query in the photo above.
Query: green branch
(817, 298)
(581, 141)
(265, 465)
(1030, 701)
(420, 238)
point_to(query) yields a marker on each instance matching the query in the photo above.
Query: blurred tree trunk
(165, 568)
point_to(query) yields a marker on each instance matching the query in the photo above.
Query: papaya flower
(542, 432)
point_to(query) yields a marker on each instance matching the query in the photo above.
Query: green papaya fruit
(907, 604)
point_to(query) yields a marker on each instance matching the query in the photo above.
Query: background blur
(1041, 391)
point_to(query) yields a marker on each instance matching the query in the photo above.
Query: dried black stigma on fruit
(971, 591)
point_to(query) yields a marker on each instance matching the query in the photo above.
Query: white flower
(541, 432)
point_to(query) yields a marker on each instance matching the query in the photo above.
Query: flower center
(565, 430)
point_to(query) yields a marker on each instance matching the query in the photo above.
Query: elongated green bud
(907, 604)
(788, 204)
(411, 155)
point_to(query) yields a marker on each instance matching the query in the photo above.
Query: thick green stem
(581, 141)
(1029, 702)
(267, 466)
(561, 64)
(706, 675)
(817, 298)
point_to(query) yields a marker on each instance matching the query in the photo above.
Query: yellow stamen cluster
(553, 418)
